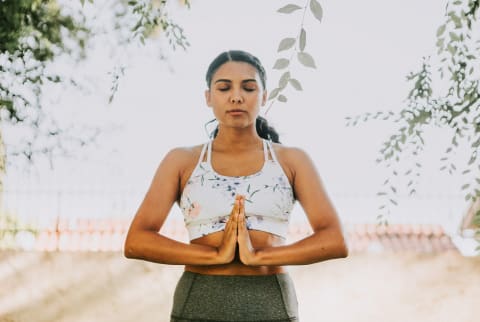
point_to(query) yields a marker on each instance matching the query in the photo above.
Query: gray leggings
(234, 298)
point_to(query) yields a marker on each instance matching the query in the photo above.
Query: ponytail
(266, 131)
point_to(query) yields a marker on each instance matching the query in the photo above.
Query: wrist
(252, 258)
(221, 257)
(256, 259)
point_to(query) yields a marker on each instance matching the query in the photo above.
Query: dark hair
(263, 129)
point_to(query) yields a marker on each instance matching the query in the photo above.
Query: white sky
(363, 51)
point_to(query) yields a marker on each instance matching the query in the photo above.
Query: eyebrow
(229, 81)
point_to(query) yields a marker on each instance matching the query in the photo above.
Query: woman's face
(236, 94)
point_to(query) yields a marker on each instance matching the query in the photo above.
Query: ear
(264, 98)
(207, 97)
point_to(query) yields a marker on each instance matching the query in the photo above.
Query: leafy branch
(296, 46)
(456, 108)
(36, 33)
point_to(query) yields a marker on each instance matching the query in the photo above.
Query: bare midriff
(259, 240)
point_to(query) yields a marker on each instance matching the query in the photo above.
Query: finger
(242, 210)
(232, 222)
(235, 206)
(241, 207)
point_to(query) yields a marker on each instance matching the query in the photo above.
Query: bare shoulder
(183, 157)
(184, 153)
(182, 161)
(292, 159)
(290, 155)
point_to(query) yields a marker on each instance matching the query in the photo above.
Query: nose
(236, 97)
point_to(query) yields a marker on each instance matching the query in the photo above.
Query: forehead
(235, 70)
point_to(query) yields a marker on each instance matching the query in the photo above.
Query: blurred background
(93, 94)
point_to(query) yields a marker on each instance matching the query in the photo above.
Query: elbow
(336, 247)
(343, 249)
(339, 247)
(338, 250)
(129, 250)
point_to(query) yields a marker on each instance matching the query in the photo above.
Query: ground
(104, 286)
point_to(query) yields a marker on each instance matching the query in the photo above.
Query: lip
(236, 111)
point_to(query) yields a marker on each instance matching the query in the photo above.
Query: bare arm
(143, 240)
(327, 240)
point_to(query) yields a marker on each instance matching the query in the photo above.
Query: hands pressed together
(236, 233)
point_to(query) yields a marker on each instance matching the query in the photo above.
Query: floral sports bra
(208, 197)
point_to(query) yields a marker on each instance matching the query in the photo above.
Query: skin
(235, 97)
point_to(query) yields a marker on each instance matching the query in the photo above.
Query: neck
(237, 138)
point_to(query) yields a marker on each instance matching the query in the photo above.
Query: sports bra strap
(265, 150)
(209, 152)
(272, 153)
(202, 154)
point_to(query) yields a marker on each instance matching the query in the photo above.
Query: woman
(236, 193)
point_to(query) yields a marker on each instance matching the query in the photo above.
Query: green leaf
(316, 9)
(452, 49)
(274, 93)
(454, 141)
(440, 42)
(476, 144)
(454, 36)
(456, 20)
(284, 80)
(289, 8)
(465, 186)
(306, 59)
(282, 98)
(295, 83)
(476, 218)
(472, 159)
(285, 44)
(82, 2)
(281, 63)
(441, 30)
(303, 39)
